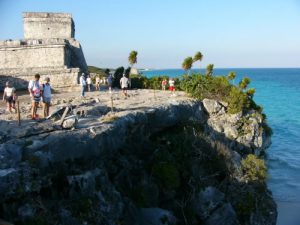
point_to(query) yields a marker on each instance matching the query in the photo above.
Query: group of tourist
(171, 85)
(86, 83)
(42, 92)
(38, 93)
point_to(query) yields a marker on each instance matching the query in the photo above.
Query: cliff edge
(150, 158)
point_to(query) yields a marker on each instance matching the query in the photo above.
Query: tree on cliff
(244, 83)
(250, 92)
(231, 76)
(198, 57)
(209, 69)
(132, 58)
(187, 64)
(127, 72)
(117, 77)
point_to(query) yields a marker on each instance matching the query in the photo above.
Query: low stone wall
(60, 79)
(60, 59)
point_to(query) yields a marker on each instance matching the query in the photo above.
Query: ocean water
(278, 91)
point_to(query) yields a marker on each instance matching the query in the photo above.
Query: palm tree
(209, 69)
(132, 58)
(231, 76)
(244, 83)
(250, 92)
(198, 57)
(187, 64)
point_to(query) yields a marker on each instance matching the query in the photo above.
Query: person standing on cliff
(89, 82)
(10, 96)
(46, 97)
(109, 82)
(124, 82)
(164, 84)
(97, 83)
(172, 86)
(82, 82)
(35, 91)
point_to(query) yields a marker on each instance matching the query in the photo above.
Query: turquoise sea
(278, 91)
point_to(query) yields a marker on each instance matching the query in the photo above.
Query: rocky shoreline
(150, 158)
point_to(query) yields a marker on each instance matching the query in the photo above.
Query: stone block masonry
(49, 48)
(48, 25)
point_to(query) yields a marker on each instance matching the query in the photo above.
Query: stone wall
(61, 79)
(48, 25)
(32, 55)
(49, 48)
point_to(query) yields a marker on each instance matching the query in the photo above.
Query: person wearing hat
(9, 96)
(82, 81)
(46, 97)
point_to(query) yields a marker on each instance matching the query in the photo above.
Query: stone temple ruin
(48, 48)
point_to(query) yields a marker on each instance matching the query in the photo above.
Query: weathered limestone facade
(49, 48)
(48, 25)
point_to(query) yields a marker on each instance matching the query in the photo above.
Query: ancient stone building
(48, 48)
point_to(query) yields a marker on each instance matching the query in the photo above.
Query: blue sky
(231, 33)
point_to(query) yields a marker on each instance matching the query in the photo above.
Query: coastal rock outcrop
(244, 132)
(149, 162)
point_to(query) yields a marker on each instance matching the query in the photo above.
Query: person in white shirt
(89, 82)
(35, 91)
(9, 96)
(82, 82)
(124, 84)
(172, 85)
(46, 97)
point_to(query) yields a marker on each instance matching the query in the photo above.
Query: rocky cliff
(155, 160)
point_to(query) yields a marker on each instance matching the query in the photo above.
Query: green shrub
(237, 100)
(117, 77)
(254, 169)
(138, 81)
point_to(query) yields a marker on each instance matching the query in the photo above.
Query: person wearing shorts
(35, 91)
(10, 96)
(124, 84)
(46, 97)
(172, 85)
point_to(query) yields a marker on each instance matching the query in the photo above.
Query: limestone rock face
(126, 167)
(70, 122)
(212, 106)
(211, 206)
(244, 131)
